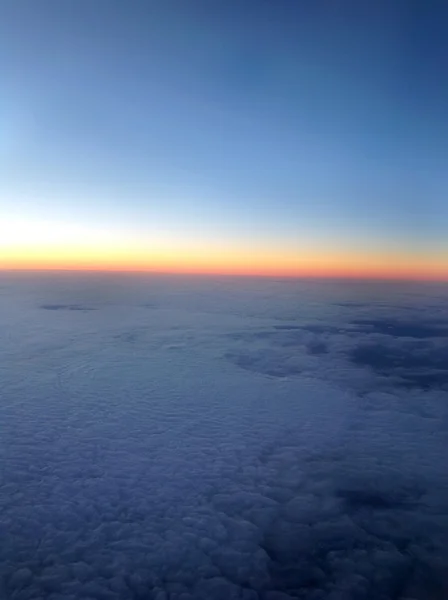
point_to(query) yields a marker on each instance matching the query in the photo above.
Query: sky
(236, 136)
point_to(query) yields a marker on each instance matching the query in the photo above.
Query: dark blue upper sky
(267, 120)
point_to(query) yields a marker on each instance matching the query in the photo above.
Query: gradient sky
(262, 136)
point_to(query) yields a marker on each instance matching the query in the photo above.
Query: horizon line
(240, 275)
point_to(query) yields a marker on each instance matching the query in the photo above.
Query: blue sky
(250, 121)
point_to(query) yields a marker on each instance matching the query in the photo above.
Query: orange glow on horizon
(227, 262)
(44, 245)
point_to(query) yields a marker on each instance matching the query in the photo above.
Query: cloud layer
(199, 440)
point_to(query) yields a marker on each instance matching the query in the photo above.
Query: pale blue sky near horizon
(247, 120)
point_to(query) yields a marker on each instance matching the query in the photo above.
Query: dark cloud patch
(399, 328)
(285, 338)
(320, 328)
(357, 498)
(342, 558)
(250, 336)
(263, 335)
(266, 361)
(351, 304)
(317, 347)
(74, 307)
(419, 364)
(151, 305)
(287, 335)
(372, 540)
(426, 381)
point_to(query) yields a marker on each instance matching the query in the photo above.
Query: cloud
(421, 364)
(66, 307)
(403, 328)
(402, 353)
(246, 464)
